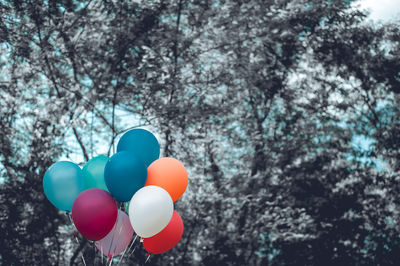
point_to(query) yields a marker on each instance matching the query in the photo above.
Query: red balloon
(94, 213)
(167, 238)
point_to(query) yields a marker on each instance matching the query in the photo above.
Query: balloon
(170, 174)
(124, 174)
(94, 213)
(150, 210)
(167, 238)
(126, 206)
(94, 172)
(141, 142)
(118, 238)
(62, 183)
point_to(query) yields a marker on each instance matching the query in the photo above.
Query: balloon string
(120, 229)
(101, 250)
(127, 250)
(132, 251)
(148, 257)
(94, 253)
(112, 239)
(75, 236)
(119, 234)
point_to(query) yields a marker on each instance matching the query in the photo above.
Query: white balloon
(150, 210)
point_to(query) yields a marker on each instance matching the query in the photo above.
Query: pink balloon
(94, 213)
(119, 237)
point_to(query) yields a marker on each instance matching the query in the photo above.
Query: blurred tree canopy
(285, 113)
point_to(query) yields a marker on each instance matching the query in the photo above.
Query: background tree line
(286, 114)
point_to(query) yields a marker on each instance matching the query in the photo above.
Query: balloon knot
(147, 254)
(109, 258)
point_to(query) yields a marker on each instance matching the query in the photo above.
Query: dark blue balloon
(141, 142)
(124, 174)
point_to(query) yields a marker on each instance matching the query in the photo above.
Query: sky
(383, 10)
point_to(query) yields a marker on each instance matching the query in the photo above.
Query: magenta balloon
(119, 237)
(94, 213)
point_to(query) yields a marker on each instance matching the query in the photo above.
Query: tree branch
(76, 252)
(114, 132)
(85, 154)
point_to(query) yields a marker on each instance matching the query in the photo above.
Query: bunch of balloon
(135, 175)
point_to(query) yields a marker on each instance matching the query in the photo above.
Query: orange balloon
(170, 174)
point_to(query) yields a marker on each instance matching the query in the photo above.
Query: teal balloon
(62, 183)
(93, 172)
(141, 142)
(125, 173)
(126, 206)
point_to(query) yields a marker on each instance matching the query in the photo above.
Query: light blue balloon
(141, 142)
(125, 173)
(93, 172)
(62, 183)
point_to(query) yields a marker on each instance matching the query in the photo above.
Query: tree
(262, 102)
